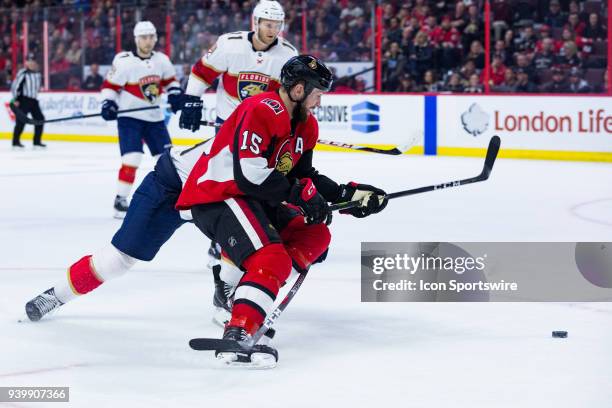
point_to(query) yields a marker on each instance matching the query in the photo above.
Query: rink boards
(531, 127)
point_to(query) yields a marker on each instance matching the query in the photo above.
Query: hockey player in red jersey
(260, 233)
(254, 190)
(136, 80)
(246, 63)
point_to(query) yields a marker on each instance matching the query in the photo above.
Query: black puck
(559, 334)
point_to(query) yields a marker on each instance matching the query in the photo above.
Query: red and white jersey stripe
(135, 82)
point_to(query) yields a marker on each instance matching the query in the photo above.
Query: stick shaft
(24, 117)
(272, 317)
(491, 155)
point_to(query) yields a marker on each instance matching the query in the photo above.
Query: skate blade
(221, 316)
(259, 361)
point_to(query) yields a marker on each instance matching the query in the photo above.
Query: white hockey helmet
(269, 10)
(144, 28)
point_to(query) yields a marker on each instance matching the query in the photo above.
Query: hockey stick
(245, 346)
(492, 151)
(394, 151)
(24, 118)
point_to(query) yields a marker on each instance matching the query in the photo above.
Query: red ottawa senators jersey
(251, 155)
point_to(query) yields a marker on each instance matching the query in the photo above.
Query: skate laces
(46, 302)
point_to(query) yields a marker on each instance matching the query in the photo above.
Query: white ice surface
(126, 343)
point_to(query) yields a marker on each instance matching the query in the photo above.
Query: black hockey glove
(373, 200)
(175, 99)
(109, 109)
(191, 113)
(314, 207)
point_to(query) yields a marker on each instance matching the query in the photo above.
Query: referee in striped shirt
(25, 89)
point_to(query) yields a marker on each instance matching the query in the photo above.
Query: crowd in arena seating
(536, 46)
(427, 45)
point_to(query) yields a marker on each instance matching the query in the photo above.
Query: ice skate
(258, 357)
(42, 305)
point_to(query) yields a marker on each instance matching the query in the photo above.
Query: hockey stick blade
(492, 150)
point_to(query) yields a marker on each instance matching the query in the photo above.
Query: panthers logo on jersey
(150, 88)
(251, 83)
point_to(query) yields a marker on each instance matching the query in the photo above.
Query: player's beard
(300, 113)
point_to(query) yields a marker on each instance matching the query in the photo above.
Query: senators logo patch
(150, 87)
(251, 83)
(284, 158)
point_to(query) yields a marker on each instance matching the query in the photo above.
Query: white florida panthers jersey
(244, 71)
(135, 82)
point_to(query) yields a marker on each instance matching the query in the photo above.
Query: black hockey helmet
(308, 69)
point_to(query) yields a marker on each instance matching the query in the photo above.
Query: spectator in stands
(430, 84)
(523, 82)
(394, 32)
(477, 54)
(405, 84)
(501, 52)
(454, 83)
(448, 39)
(522, 61)
(502, 17)
(420, 55)
(526, 40)
(95, 54)
(498, 71)
(337, 49)
(545, 35)
(474, 28)
(459, 19)
(59, 70)
(320, 32)
(576, 84)
(574, 23)
(94, 80)
(574, 7)
(508, 84)
(351, 11)
(395, 65)
(474, 85)
(73, 55)
(74, 84)
(567, 35)
(555, 17)
(569, 57)
(545, 58)
(420, 10)
(509, 41)
(467, 70)
(558, 83)
(594, 30)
